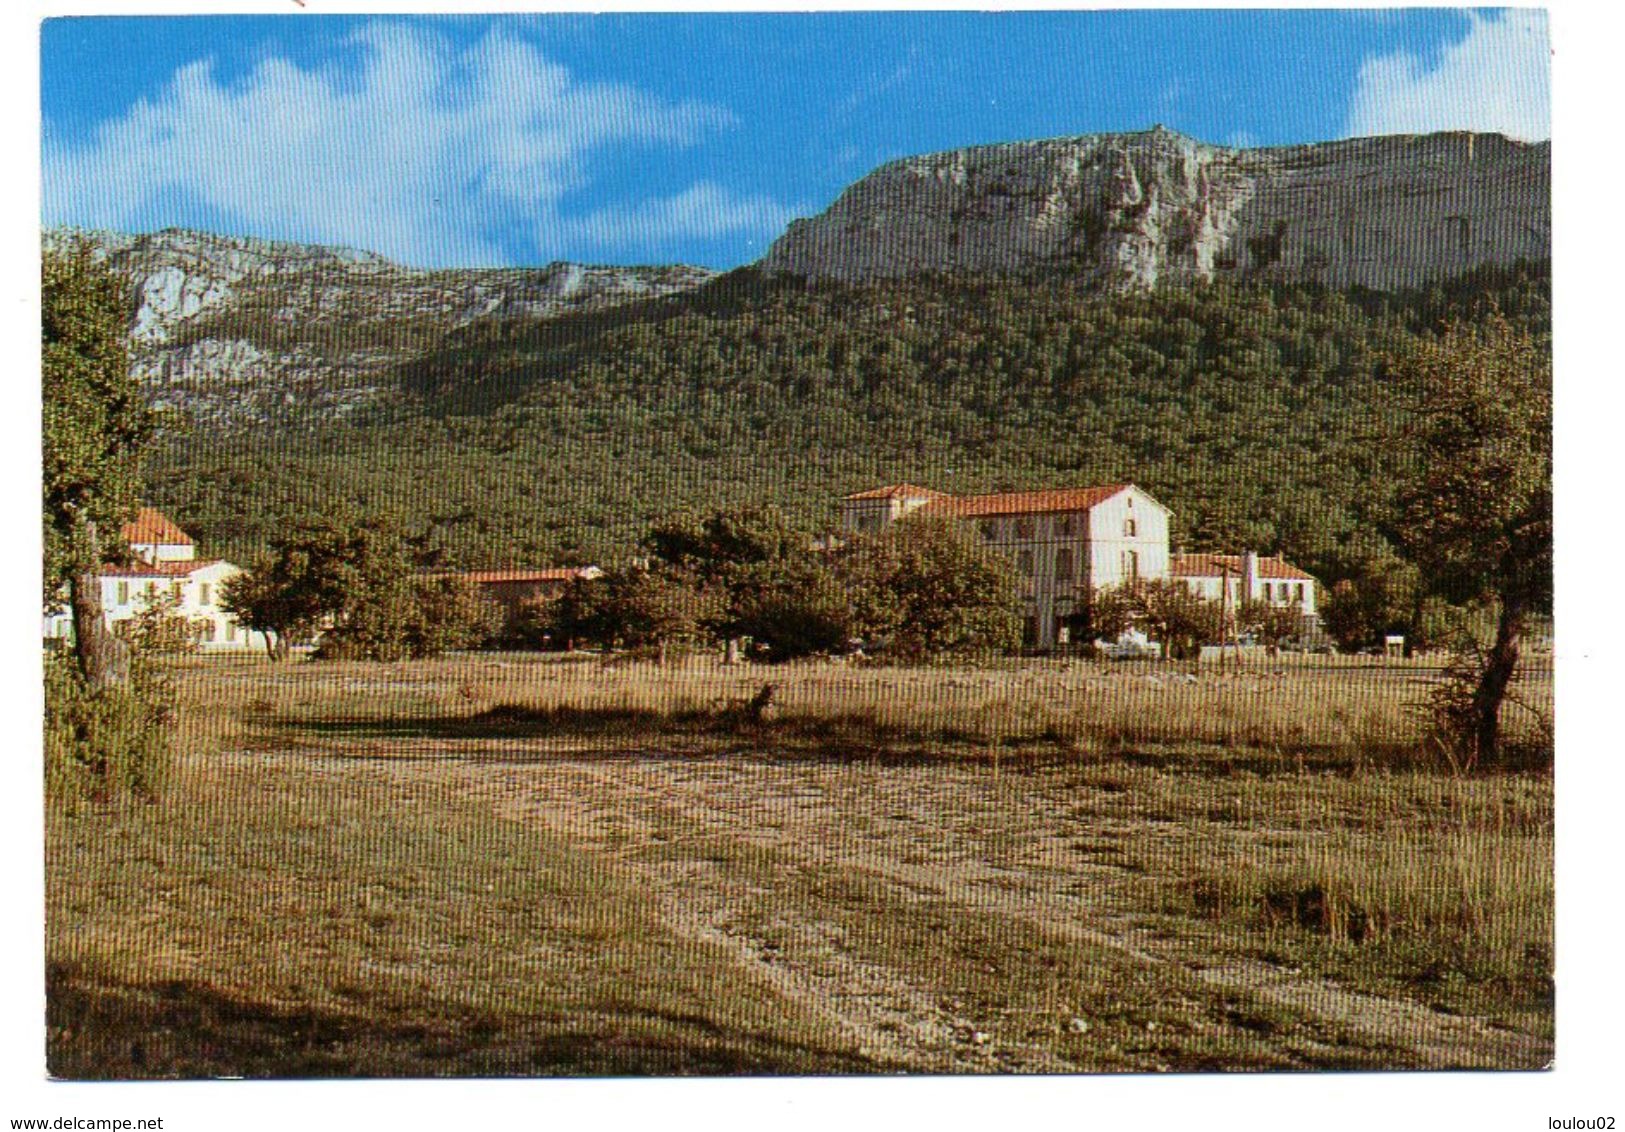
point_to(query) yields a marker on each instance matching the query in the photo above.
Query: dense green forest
(1259, 415)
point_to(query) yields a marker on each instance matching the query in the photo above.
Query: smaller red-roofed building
(1247, 577)
(515, 589)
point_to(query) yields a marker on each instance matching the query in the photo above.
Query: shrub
(101, 744)
(159, 630)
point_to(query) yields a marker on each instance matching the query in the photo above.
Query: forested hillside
(1258, 415)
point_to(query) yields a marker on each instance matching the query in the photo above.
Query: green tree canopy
(1474, 509)
(95, 420)
(357, 584)
(928, 588)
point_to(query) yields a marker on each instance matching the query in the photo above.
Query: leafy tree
(1378, 600)
(160, 628)
(268, 601)
(108, 741)
(450, 614)
(1165, 611)
(1269, 623)
(288, 596)
(1181, 620)
(1110, 612)
(926, 588)
(368, 571)
(639, 607)
(95, 423)
(743, 573)
(357, 585)
(1475, 507)
(792, 608)
(719, 547)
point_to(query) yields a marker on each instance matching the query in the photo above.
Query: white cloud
(424, 152)
(703, 210)
(1497, 79)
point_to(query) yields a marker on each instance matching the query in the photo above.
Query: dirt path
(700, 831)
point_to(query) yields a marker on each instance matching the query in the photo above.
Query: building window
(989, 529)
(1063, 564)
(152, 592)
(1131, 566)
(1063, 526)
(1024, 562)
(175, 591)
(1128, 527)
(1024, 528)
(124, 593)
(231, 630)
(203, 595)
(208, 632)
(1300, 593)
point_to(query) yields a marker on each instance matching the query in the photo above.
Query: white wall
(125, 597)
(164, 551)
(1109, 540)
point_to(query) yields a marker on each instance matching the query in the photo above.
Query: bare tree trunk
(103, 658)
(1499, 667)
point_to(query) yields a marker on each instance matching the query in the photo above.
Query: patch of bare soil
(759, 857)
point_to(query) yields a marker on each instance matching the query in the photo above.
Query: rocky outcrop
(1139, 210)
(235, 330)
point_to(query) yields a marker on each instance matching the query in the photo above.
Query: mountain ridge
(1145, 209)
(236, 329)
(241, 332)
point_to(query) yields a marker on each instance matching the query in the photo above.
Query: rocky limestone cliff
(1139, 210)
(237, 330)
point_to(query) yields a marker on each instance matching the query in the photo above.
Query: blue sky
(471, 141)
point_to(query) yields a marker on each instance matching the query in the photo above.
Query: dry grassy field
(564, 865)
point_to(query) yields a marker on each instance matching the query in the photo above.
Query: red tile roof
(556, 574)
(899, 491)
(159, 570)
(1023, 502)
(1216, 565)
(518, 574)
(150, 526)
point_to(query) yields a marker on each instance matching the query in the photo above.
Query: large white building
(165, 568)
(1069, 542)
(1065, 543)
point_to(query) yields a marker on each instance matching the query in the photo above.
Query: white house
(1249, 577)
(1065, 543)
(165, 566)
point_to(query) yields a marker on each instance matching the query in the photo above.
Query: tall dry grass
(1356, 715)
(1437, 880)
